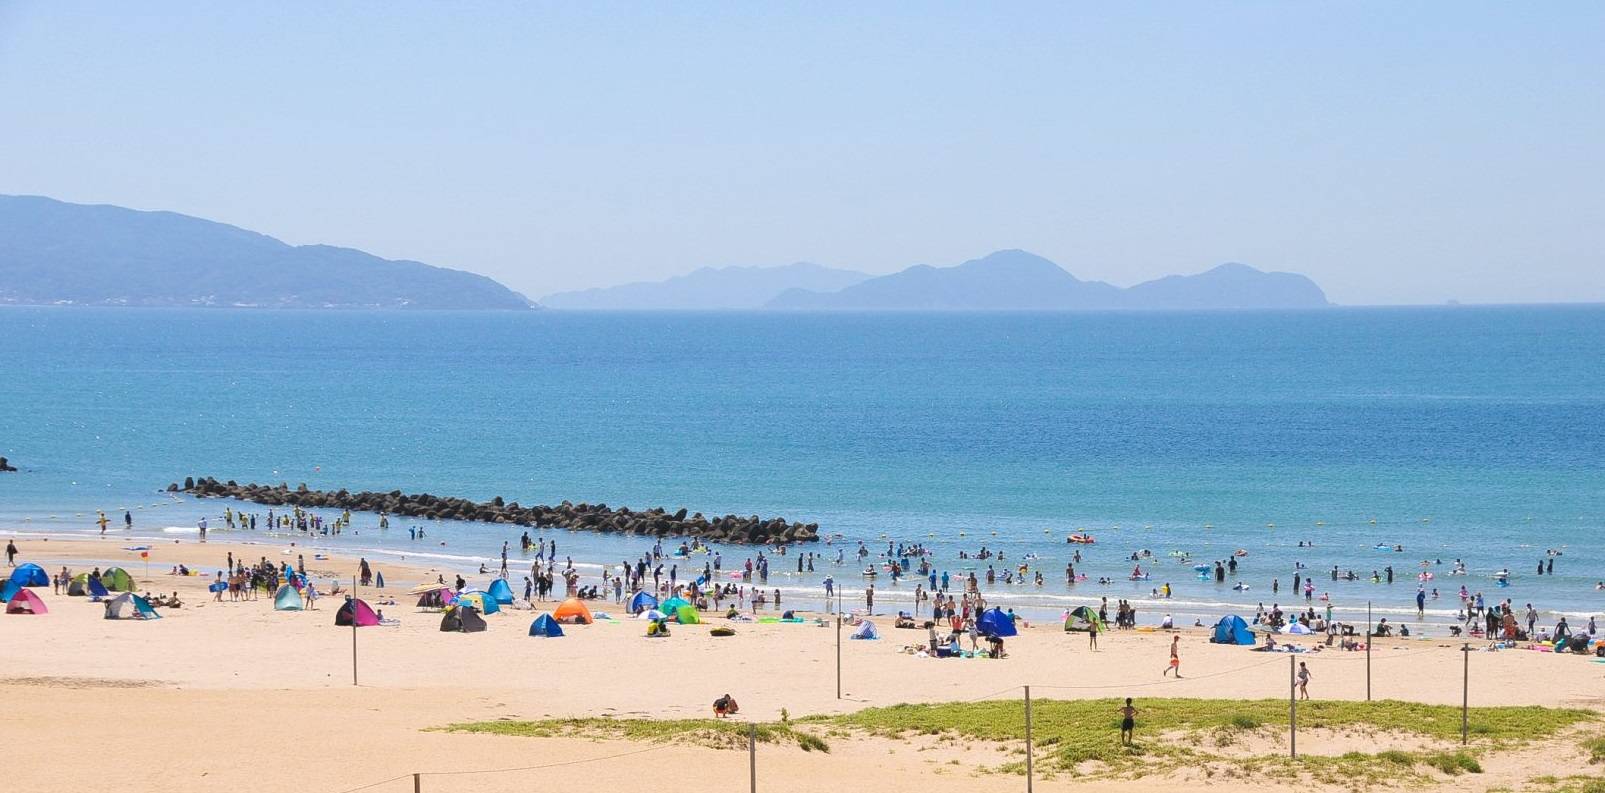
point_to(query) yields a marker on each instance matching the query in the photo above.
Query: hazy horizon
(1394, 154)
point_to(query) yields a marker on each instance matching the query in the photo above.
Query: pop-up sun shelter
(30, 574)
(117, 579)
(687, 615)
(82, 585)
(1231, 630)
(356, 611)
(545, 626)
(499, 590)
(25, 602)
(641, 602)
(480, 600)
(672, 605)
(463, 618)
(866, 631)
(129, 606)
(996, 622)
(573, 611)
(1082, 618)
(287, 599)
(437, 598)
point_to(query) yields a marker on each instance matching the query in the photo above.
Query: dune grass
(1070, 734)
(714, 733)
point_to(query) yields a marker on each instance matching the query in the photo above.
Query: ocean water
(1471, 433)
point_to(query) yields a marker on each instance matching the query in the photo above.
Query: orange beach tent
(573, 611)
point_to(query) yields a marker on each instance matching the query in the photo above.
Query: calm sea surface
(1472, 433)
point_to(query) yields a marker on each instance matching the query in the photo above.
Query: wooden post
(1028, 775)
(1292, 706)
(1465, 694)
(352, 599)
(417, 783)
(1368, 638)
(752, 756)
(838, 655)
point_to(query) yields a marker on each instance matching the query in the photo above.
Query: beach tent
(79, 586)
(575, 611)
(1298, 629)
(1083, 618)
(463, 618)
(117, 580)
(129, 606)
(25, 602)
(545, 626)
(1232, 630)
(356, 611)
(641, 602)
(996, 622)
(437, 598)
(500, 591)
(9, 589)
(687, 615)
(287, 599)
(30, 574)
(672, 605)
(480, 600)
(866, 631)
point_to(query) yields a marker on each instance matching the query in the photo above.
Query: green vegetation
(1081, 737)
(714, 733)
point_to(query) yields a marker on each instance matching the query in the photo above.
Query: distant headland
(56, 253)
(1010, 280)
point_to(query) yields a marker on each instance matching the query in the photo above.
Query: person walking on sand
(1303, 680)
(1128, 723)
(1175, 658)
(11, 553)
(1092, 634)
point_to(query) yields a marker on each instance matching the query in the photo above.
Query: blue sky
(1396, 152)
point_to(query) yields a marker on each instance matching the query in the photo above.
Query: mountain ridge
(58, 253)
(1016, 280)
(707, 288)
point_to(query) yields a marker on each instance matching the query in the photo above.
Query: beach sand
(225, 694)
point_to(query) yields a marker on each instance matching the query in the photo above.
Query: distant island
(1010, 280)
(56, 253)
(710, 288)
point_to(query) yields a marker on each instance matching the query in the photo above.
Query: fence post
(417, 783)
(839, 652)
(1465, 693)
(1029, 781)
(1368, 637)
(752, 755)
(1292, 706)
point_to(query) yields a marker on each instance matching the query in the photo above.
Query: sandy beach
(235, 683)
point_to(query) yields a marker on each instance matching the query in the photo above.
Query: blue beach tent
(30, 574)
(866, 631)
(499, 590)
(8, 591)
(996, 622)
(642, 602)
(546, 627)
(1231, 630)
(287, 599)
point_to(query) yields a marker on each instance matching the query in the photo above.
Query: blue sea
(1458, 432)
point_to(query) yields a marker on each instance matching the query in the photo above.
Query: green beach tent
(117, 579)
(687, 615)
(1083, 618)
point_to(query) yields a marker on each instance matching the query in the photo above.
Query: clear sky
(1396, 152)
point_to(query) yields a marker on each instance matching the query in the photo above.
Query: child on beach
(1303, 680)
(1175, 658)
(1128, 723)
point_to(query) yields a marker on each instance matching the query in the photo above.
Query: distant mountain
(1017, 280)
(710, 288)
(53, 252)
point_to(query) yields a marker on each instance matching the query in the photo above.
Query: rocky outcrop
(656, 522)
(6, 466)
